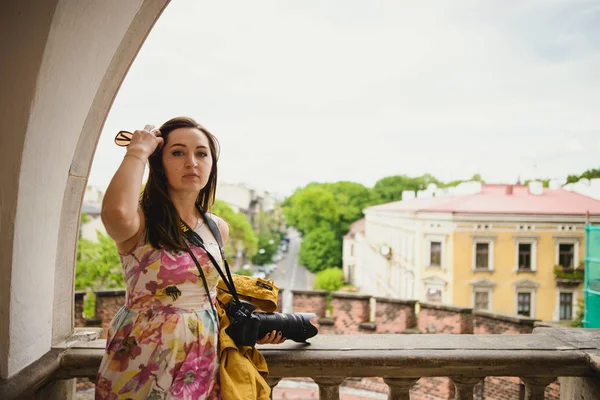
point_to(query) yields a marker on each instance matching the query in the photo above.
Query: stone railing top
(310, 292)
(110, 292)
(548, 352)
(505, 317)
(446, 307)
(396, 301)
(350, 295)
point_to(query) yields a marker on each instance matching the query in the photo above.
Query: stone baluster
(329, 387)
(272, 381)
(464, 386)
(535, 387)
(400, 387)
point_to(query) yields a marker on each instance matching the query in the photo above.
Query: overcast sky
(301, 91)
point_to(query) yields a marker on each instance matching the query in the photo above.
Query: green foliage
(267, 247)
(321, 249)
(351, 198)
(474, 178)
(310, 208)
(578, 321)
(89, 304)
(243, 272)
(389, 189)
(241, 235)
(588, 174)
(569, 273)
(545, 182)
(84, 218)
(98, 264)
(330, 279)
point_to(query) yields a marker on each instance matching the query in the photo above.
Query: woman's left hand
(272, 338)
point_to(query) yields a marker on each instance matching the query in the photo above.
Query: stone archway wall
(63, 62)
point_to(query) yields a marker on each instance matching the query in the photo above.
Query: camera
(247, 325)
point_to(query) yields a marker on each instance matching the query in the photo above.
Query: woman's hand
(144, 142)
(272, 338)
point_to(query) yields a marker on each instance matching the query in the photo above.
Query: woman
(163, 344)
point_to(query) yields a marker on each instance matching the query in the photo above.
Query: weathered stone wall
(78, 317)
(394, 316)
(494, 323)
(441, 318)
(108, 303)
(349, 312)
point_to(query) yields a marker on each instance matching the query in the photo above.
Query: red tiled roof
(496, 199)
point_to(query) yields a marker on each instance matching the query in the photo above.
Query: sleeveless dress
(163, 343)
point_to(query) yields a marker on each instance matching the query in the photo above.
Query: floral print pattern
(163, 344)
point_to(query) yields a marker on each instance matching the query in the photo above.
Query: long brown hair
(162, 220)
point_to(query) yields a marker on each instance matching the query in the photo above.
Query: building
(493, 247)
(250, 201)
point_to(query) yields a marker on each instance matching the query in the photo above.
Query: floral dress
(163, 343)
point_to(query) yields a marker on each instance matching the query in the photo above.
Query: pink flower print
(141, 268)
(194, 377)
(104, 389)
(176, 269)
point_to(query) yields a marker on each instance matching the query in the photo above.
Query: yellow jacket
(243, 369)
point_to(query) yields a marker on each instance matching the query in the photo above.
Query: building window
(566, 305)
(482, 255)
(434, 295)
(525, 251)
(566, 255)
(482, 300)
(351, 250)
(435, 254)
(524, 304)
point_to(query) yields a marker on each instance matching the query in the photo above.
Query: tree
(267, 247)
(389, 189)
(311, 207)
(351, 198)
(321, 249)
(241, 235)
(98, 264)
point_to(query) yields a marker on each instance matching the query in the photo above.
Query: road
(289, 275)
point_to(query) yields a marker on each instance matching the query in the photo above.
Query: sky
(303, 91)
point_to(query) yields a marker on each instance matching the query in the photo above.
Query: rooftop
(500, 199)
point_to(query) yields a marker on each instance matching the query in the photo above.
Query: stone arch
(63, 63)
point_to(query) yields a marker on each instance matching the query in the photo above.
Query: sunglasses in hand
(123, 138)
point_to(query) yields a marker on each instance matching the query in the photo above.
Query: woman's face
(187, 160)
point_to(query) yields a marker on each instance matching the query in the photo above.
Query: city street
(289, 275)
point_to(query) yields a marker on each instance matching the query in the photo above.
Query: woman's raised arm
(121, 215)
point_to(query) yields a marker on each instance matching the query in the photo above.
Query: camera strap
(194, 238)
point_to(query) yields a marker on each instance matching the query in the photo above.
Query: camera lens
(296, 326)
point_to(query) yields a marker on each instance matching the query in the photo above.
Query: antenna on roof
(587, 217)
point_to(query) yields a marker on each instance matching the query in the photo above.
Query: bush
(243, 272)
(89, 304)
(330, 279)
(320, 249)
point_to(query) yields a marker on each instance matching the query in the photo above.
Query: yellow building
(493, 247)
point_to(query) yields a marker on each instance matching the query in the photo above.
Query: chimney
(509, 190)
(536, 188)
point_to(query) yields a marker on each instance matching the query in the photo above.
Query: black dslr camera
(246, 325)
